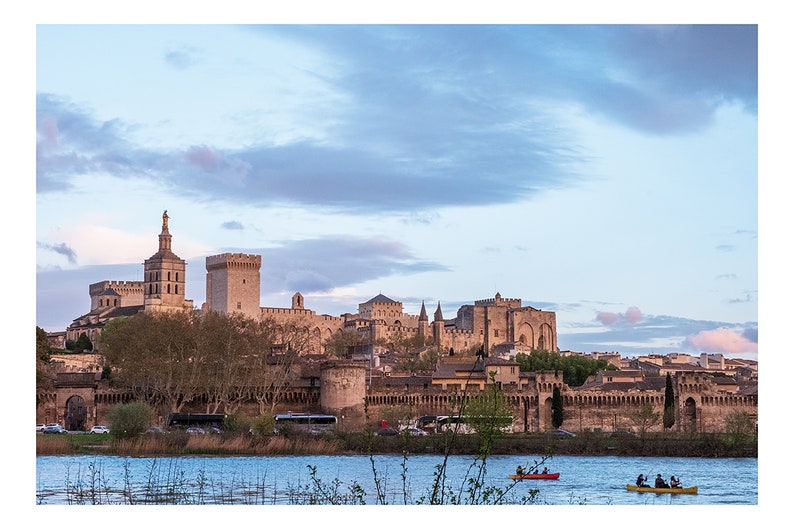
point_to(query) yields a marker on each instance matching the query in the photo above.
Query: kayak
(673, 490)
(556, 475)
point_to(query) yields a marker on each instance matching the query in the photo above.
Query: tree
(668, 417)
(154, 355)
(738, 425)
(43, 349)
(575, 369)
(130, 420)
(43, 352)
(645, 418)
(556, 408)
(343, 344)
(488, 413)
(83, 343)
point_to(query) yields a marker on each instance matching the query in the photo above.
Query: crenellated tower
(233, 284)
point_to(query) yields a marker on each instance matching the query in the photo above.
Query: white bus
(304, 422)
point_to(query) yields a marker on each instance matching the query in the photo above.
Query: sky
(608, 173)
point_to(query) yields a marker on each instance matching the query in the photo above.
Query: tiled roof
(380, 298)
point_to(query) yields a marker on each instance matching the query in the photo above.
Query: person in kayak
(660, 483)
(545, 470)
(520, 471)
(641, 481)
(675, 482)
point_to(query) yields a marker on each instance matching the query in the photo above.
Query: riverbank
(235, 443)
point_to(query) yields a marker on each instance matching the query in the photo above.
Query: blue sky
(608, 173)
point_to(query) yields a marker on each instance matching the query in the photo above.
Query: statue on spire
(165, 220)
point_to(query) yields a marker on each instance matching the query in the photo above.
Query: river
(288, 480)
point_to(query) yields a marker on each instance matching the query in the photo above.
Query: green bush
(262, 426)
(130, 420)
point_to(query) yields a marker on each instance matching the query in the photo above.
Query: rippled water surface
(277, 480)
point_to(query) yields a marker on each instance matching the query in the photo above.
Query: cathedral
(233, 286)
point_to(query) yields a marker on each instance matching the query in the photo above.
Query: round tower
(343, 388)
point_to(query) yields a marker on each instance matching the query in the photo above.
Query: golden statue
(165, 219)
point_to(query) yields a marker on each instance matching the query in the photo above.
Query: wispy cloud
(61, 249)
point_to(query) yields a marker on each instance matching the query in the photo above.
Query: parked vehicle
(415, 432)
(195, 430)
(54, 428)
(100, 429)
(154, 430)
(40, 427)
(559, 432)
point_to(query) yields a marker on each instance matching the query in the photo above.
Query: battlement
(499, 302)
(233, 260)
(94, 289)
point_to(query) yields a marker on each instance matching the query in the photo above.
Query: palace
(707, 388)
(233, 286)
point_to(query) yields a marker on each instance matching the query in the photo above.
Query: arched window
(176, 289)
(168, 288)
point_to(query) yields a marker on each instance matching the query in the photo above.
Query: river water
(282, 480)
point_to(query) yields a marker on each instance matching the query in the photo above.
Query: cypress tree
(668, 418)
(556, 407)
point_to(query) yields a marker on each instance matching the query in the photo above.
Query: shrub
(130, 420)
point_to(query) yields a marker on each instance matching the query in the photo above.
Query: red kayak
(556, 475)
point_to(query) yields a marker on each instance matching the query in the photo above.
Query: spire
(438, 316)
(165, 237)
(423, 313)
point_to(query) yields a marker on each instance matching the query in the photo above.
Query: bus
(201, 420)
(305, 422)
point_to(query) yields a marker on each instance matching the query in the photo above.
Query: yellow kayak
(673, 490)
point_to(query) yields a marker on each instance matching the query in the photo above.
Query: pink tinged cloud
(204, 157)
(48, 133)
(633, 315)
(721, 340)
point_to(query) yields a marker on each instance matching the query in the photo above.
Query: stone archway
(690, 416)
(545, 418)
(76, 413)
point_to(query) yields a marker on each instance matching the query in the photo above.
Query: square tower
(233, 283)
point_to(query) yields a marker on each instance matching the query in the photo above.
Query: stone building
(162, 288)
(496, 327)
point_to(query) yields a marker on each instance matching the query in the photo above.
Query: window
(176, 289)
(496, 332)
(169, 276)
(239, 305)
(168, 288)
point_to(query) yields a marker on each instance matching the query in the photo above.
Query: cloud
(723, 340)
(632, 316)
(319, 265)
(232, 225)
(478, 120)
(61, 249)
(180, 59)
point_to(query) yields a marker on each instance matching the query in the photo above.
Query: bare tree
(155, 356)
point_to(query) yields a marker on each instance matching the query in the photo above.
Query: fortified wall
(343, 390)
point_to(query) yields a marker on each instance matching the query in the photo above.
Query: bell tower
(164, 276)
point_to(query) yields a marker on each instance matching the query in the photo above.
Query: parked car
(623, 434)
(154, 430)
(387, 431)
(195, 430)
(559, 432)
(54, 428)
(40, 427)
(100, 429)
(415, 432)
